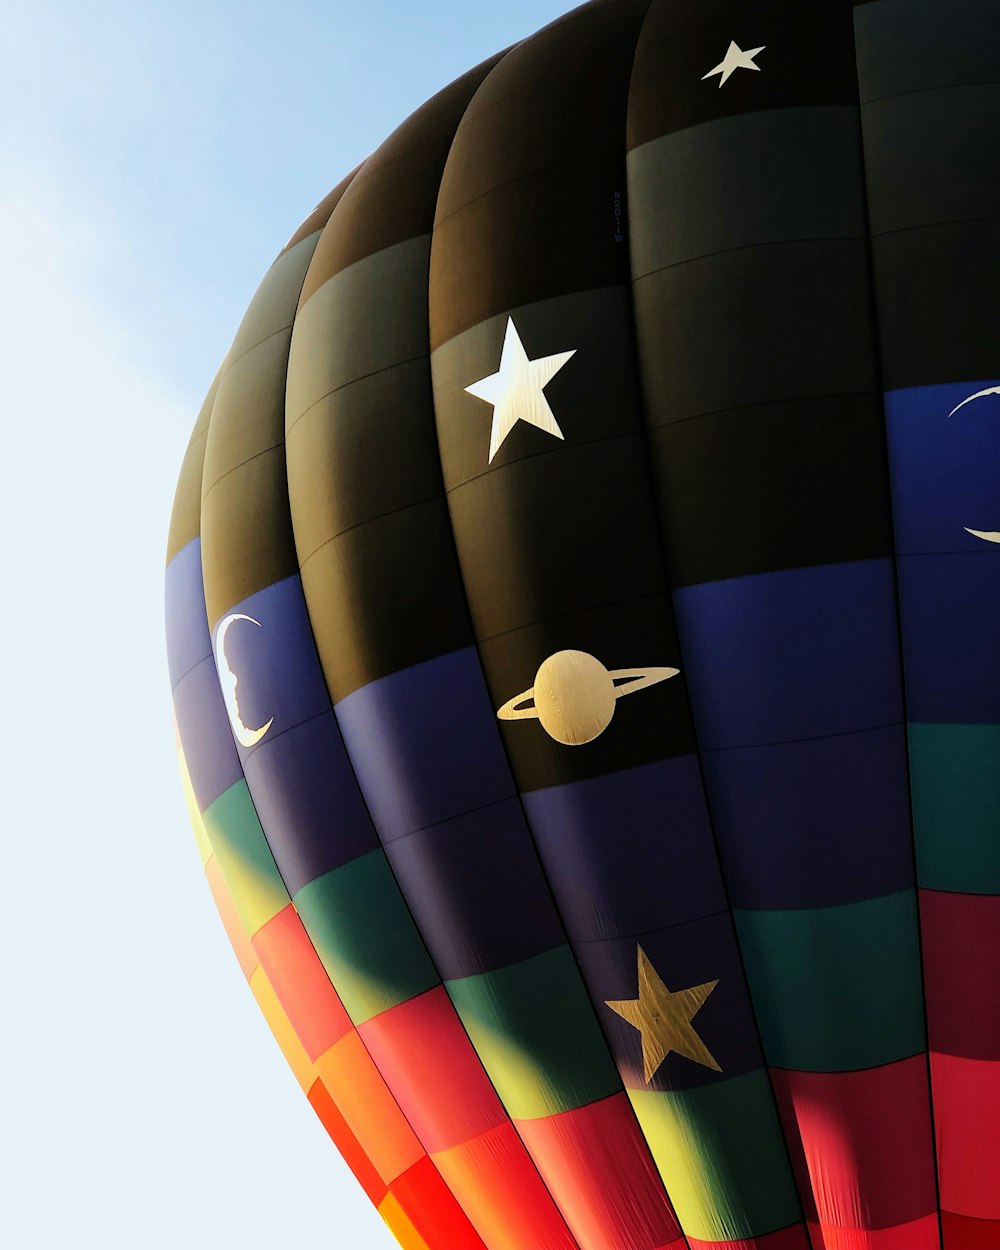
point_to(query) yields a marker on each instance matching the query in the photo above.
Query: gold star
(664, 1019)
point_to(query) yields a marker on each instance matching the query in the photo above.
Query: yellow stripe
(400, 1224)
(281, 1027)
(197, 823)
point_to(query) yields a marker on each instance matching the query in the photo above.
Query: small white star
(515, 390)
(734, 59)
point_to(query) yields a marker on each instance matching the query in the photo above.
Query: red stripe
(431, 1208)
(860, 1144)
(599, 1170)
(961, 947)
(347, 1143)
(792, 1238)
(961, 1232)
(922, 1234)
(300, 982)
(502, 1194)
(967, 1121)
(436, 1076)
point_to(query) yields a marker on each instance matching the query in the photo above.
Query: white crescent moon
(990, 390)
(228, 680)
(988, 536)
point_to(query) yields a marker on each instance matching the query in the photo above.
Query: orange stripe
(345, 1141)
(355, 1085)
(431, 1206)
(501, 1192)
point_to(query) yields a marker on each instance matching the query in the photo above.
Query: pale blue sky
(155, 157)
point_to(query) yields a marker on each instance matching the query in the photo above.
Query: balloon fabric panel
(378, 1114)
(666, 339)
(543, 603)
(401, 729)
(936, 253)
(271, 991)
(344, 1067)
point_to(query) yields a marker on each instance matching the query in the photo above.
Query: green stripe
(534, 1028)
(245, 858)
(363, 933)
(722, 1157)
(836, 988)
(955, 782)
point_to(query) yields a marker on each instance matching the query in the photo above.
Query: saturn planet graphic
(574, 695)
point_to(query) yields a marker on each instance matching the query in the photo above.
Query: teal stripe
(534, 1028)
(245, 858)
(955, 782)
(363, 933)
(836, 988)
(722, 1157)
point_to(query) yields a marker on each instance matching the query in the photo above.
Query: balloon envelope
(582, 607)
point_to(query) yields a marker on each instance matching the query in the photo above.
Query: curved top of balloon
(582, 604)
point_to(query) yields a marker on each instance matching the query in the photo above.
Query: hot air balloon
(582, 605)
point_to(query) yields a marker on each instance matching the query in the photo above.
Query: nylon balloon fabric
(583, 614)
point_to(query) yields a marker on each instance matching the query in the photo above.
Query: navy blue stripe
(188, 640)
(945, 469)
(630, 851)
(300, 776)
(814, 823)
(950, 609)
(802, 653)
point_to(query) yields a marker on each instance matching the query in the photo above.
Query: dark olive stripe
(920, 45)
(246, 528)
(320, 215)
(931, 126)
(401, 178)
(753, 303)
(185, 519)
(808, 59)
(527, 203)
(371, 525)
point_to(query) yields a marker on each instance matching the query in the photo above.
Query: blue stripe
(813, 824)
(629, 851)
(203, 725)
(425, 745)
(802, 653)
(476, 891)
(278, 670)
(945, 469)
(188, 640)
(300, 776)
(950, 610)
(308, 801)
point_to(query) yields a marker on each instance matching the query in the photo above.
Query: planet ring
(630, 682)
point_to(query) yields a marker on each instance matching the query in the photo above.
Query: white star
(734, 59)
(515, 390)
